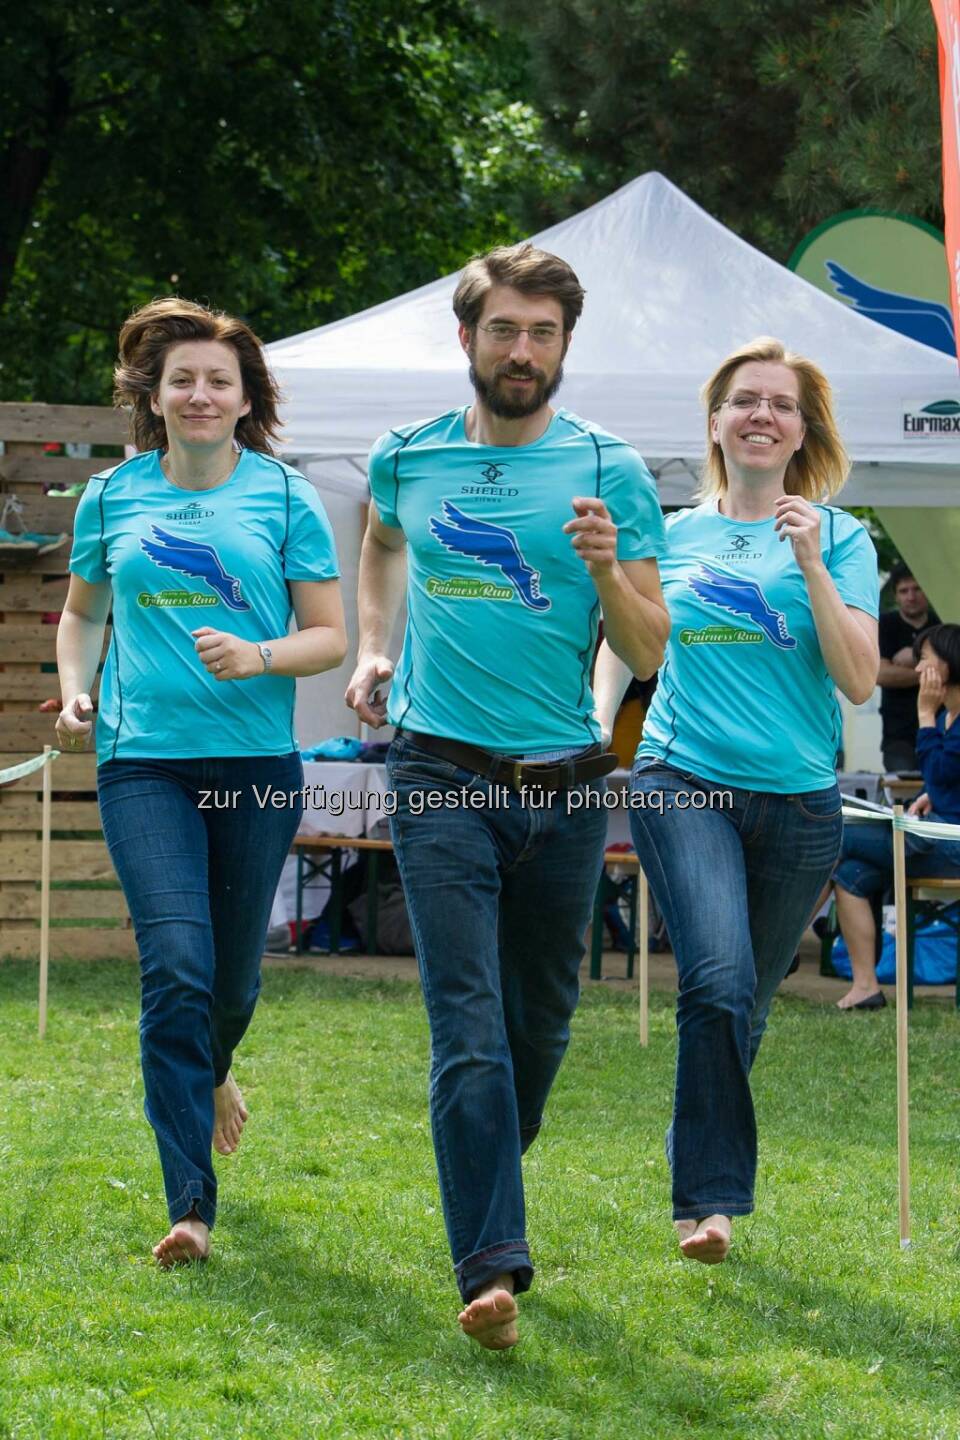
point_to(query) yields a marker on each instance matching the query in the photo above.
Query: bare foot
(491, 1316)
(187, 1243)
(229, 1116)
(707, 1240)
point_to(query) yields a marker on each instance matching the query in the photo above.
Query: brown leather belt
(560, 775)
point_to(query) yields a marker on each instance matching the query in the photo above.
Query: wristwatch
(266, 655)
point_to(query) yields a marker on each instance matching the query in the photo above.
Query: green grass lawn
(329, 1308)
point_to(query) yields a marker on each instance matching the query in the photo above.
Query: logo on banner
(942, 417)
(925, 320)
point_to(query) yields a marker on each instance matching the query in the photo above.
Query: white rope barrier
(911, 824)
(7, 777)
(27, 767)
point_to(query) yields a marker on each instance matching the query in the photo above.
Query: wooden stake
(643, 965)
(903, 1082)
(45, 895)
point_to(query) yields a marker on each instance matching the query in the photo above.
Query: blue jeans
(199, 881)
(737, 883)
(499, 899)
(866, 858)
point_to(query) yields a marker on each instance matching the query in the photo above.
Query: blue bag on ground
(934, 956)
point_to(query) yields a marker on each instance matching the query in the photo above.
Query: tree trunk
(24, 167)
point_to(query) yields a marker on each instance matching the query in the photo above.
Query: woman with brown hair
(203, 545)
(735, 810)
(865, 870)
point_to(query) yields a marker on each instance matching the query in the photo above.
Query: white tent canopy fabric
(670, 291)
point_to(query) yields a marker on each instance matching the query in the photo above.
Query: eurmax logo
(940, 418)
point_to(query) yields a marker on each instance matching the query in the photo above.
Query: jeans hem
(510, 1257)
(737, 1208)
(193, 1199)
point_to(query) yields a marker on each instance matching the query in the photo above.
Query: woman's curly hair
(144, 341)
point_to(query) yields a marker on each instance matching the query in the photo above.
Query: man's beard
(514, 407)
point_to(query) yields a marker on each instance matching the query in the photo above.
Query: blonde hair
(820, 467)
(525, 268)
(144, 341)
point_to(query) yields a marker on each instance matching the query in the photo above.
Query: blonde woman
(773, 601)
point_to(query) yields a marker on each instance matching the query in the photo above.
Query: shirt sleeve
(88, 558)
(939, 754)
(630, 494)
(852, 562)
(310, 551)
(381, 473)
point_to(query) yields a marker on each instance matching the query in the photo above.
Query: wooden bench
(925, 898)
(323, 855)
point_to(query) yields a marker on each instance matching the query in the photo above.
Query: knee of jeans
(719, 984)
(758, 1028)
(469, 1055)
(233, 1011)
(177, 978)
(860, 879)
(237, 1002)
(544, 1037)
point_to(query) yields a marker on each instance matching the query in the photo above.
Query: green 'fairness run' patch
(458, 587)
(721, 635)
(174, 599)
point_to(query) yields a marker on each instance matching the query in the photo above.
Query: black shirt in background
(898, 707)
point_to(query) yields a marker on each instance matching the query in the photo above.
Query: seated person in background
(866, 857)
(898, 668)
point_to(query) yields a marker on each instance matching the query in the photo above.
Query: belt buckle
(516, 779)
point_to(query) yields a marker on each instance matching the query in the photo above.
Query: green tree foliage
(772, 114)
(865, 85)
(292, 163)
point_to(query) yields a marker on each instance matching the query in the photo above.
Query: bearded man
(522, 523)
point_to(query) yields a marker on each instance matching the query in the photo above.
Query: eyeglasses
(503, 334)
(748, 401)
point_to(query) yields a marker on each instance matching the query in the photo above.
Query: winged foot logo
(198, 561)
(740, 596)
(925, 320)
(489, 544)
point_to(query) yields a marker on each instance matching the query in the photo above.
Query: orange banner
(948, 26)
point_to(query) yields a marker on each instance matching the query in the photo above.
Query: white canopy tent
(670, 291)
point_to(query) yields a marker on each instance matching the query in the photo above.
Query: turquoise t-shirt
(502, 613)
(744, 696)
(177, 559)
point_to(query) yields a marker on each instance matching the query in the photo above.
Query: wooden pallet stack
(87, 921)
